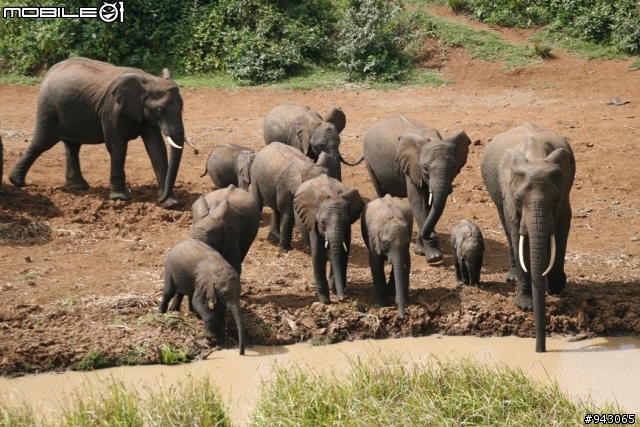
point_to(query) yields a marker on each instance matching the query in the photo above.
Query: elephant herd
(528, 172)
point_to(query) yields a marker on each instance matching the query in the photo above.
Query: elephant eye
(159, 111)
(385, 245)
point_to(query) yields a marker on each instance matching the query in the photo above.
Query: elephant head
(243, 167)
(535, 196)
(389, 235)
(220, 283)
(432, 164)
(157, 102)
(324, 137)
(218, 224)
(328, 211)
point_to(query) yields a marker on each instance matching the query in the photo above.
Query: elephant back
(280, 120)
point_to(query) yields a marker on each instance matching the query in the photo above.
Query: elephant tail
(357, 162)
(206, 165)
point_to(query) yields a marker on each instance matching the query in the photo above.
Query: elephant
(467, 247)
(306, 130)
(324, 210)
(278, 170)
(1, 160)
(386, 230)
(227, 220)
(230, 164)
(195, 269)
(82, 101)
(408, 159)
(529, 171)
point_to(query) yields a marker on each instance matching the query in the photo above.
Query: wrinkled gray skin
(228, 221)
(82, 101)
(407, 159)
(324, 210)
(386, 230)
(195, 269)
(278, 170)
(467, 247)
(529, 172)
(306, 130)
(230, 164)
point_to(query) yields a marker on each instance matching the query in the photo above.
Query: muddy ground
(81, 276)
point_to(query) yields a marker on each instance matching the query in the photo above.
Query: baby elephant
(230, 164)
(195, 269)
(386, 230)
(467, 246)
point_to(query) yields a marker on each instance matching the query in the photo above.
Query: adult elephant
(408, 159)
(82, 101)
(306, 130)
(1, 160)
(529, 172)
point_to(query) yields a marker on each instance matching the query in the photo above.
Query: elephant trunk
(235, 310)
(336, 243)
(174, 165)
(401, 280)
(438, 197)
(335, 168)
(539, 259)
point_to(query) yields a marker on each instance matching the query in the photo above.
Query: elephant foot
(512, 276)
(284, 249)
(120, 195)
(524, 302)
(433, 255)
(459, 283)
(77, 184)
(274, 237)
(556, 286)
(381, 302)
(323, 299)
(171, 202)
(17, 179)
(418, 249)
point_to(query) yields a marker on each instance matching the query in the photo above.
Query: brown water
(605, 368)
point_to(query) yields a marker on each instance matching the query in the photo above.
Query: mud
(80, 273)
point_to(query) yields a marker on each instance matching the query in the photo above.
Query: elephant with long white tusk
(529, 172)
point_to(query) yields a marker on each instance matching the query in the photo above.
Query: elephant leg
(456, 264)
(287, 221)
(73, 174)
(274, 232)
(376, 184)
(432, 248)
(201, 306)
(512, 275)
(44, 138)
(319, 261)
(234, 258)
(176, 303)
(219, 312)
(257, 196)
(376, 264)
(418, 205)
(466, 274)
(118, 151)
(157, 152)
(557, 279)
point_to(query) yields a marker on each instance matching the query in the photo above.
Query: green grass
(193, 402)
(439, 392)
(581, 48)
(635, 65)
(92, 360)
(481, 44)
(30, 275)
(20, 80)
(170, 355)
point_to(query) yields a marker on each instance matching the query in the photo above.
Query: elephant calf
(386, 230)
(195, 269)
(325, 208)
(467, 247)
(230, 164)
(277, 172)
(227, 220)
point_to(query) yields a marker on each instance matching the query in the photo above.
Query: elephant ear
(232, 221)
(306, 203)
(462, 142)
(355, 204)
(512, 173)
(128, 91)
(561, 157)
(243, 164)
(336, 117)
(199, 209)
(302, 134)
(409, 146)
(204, 279)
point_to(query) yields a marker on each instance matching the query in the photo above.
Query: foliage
(543, 50)
(170, 355)
(635, 65)
(373, 37)
(385, 392)
(92, 360)
(608, 22)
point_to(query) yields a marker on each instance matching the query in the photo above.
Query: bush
(373, 37)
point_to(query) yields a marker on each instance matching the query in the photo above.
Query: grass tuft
(635, 65)
(458, 6)
(581, 48)
(542, 50)
(170, 355)
(93, 360)
(385, 392)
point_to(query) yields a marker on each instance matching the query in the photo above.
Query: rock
(618, 100)
(589, 144)
(634, 239)
(28, 259)
(477, 142)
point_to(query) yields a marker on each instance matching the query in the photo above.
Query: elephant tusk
(173, 144)
(553, 256)
(453, 198)
(326, 244)
(430, 198)
(344, 245)
(521, 253)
